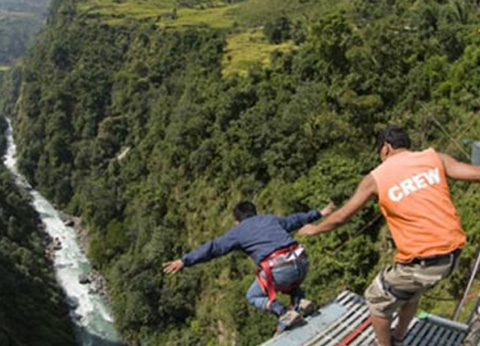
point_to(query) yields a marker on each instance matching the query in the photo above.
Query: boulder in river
(69, 223)
(84, 279)
(72, 302)
(57, 244)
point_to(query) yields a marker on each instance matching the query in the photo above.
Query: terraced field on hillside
(243, 22)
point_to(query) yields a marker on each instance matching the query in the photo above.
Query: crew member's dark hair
(244, 210)
(396, 136)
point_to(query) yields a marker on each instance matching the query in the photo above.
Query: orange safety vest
(415, 199)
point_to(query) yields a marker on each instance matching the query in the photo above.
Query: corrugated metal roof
(345, 322)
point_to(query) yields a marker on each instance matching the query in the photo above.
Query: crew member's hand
(328, 209)
(307, 230)
(173, 266)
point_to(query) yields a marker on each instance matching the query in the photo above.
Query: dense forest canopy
(151, 119)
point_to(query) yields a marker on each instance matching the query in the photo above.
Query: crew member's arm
(365, 190)
(206, 252)
(295, 221)
(459, 170)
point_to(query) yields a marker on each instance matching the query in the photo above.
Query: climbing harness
(279, 258)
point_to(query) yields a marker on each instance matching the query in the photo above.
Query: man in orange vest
(414, 197)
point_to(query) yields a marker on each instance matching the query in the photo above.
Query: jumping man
(282, 263)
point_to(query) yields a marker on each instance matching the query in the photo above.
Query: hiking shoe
(306, 307)
(288, 320)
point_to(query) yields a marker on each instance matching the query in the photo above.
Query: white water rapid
(89, 312)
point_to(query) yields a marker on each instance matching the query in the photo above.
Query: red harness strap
(267, 283)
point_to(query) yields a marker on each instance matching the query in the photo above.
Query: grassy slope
(247, 48)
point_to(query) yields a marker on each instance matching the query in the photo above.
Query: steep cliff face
(151, 119)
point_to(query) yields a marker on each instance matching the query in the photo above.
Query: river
(90, 313)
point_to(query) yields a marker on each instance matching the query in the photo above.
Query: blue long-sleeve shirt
(258, 236)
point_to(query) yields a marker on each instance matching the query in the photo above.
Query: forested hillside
(152, 119)
(33, 311)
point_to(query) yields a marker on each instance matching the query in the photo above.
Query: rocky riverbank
(98, 284)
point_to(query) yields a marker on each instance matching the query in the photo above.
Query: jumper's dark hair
(396, 136)
(244, 210)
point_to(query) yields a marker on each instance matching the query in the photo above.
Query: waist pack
(288, 258)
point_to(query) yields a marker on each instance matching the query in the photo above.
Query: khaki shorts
(411, 279)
